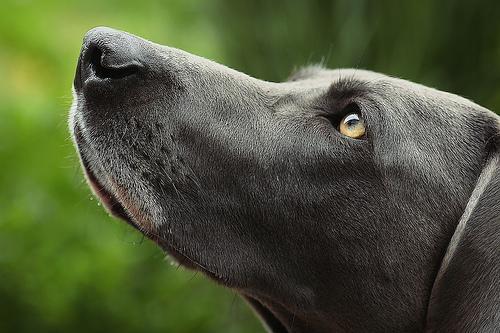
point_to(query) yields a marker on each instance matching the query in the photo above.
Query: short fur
(251, 183)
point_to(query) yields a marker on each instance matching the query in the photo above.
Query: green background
(65, 266)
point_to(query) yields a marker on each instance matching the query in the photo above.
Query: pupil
(352, 122)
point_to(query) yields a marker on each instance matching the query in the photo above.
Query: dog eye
(352, 125)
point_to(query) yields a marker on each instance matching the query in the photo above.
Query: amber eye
(352, 125)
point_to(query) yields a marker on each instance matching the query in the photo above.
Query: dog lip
(118, 210)
(114, 206)
(109, 201)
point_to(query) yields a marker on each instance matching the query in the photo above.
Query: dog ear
(466, 293)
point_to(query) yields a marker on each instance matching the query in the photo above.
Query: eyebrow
(346, 87)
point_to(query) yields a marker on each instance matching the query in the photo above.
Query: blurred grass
(64, 264)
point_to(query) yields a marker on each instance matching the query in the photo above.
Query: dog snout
(109, 57)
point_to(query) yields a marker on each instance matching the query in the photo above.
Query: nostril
(105, 71)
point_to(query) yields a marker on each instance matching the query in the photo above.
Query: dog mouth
(116, 208)
(119, 208)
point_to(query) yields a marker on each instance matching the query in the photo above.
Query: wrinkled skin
(252, 183)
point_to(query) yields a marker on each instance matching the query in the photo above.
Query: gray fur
(251, 183)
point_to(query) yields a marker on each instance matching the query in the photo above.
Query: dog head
(328, 201)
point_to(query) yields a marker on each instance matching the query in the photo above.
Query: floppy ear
(466, 293)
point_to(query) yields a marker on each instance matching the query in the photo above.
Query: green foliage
(65, 266)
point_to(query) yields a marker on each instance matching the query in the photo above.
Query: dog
(337, 201)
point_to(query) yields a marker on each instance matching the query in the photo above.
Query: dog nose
(108, 56)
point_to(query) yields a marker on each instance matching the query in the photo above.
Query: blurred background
(65, 266)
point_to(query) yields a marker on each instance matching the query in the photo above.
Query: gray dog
(337, 201)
